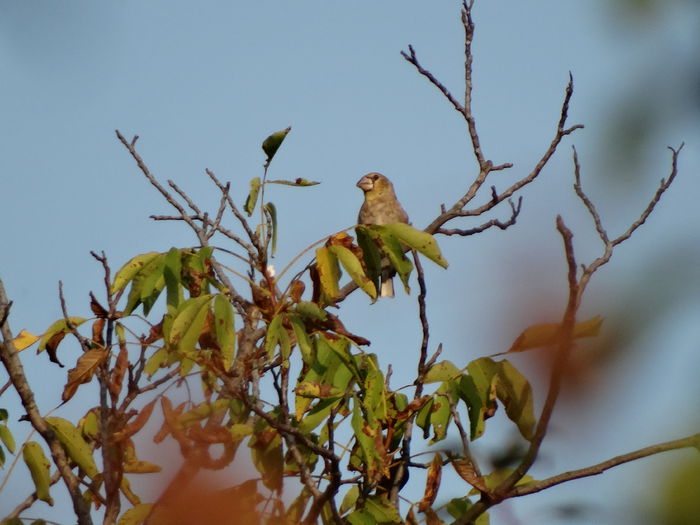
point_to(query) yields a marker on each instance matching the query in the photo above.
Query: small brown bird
(380, 207)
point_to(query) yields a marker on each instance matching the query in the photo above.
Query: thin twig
(599, 468)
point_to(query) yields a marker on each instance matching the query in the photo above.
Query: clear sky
(203, 83)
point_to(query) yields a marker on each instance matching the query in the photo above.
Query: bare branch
(515, 211)
(586, 201)
(593, 470)
(411, 57)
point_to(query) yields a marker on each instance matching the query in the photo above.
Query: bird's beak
(365, 184)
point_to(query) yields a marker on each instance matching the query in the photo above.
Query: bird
(381, 207)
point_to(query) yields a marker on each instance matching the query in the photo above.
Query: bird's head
(375, 184)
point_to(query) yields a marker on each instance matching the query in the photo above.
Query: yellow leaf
(24, 340)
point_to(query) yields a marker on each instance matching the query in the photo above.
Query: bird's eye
(375, 176)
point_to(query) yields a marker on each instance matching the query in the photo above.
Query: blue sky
(204, 83)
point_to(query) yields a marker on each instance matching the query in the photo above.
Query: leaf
(60, 327)
(432, 483)
(172, 273)
(74, 444)
(39, 468)
(349, 499)
(309, 310)
(146, 285)
(465, 468)
(370, 254)
(224, 328)
(252, 198)
(515, 392)
(118, 372)
(382, 510)
(85, 368)
(440, 416)
(545, 334)
(127, 272)
(272, 143)
(442, 371)
(273, 335)
(24, 340)
(418, 240)
(354, 268)
(328, 271)
(272, 214)
(7, 439)
(136, 425)
(299, 181)
(188, 324)
(202, 411)
(136, 515)
(302, 336)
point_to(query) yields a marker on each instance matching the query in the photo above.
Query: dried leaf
(136, 425)
(85, 368)
(432, 484)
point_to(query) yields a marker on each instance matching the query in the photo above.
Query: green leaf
(370, 254)
(328, 272)
(224, 328)
(58, 327)
(39, 468)
(440, 415)
(423, 418)
(272, 338)
(7, 439)
(188, 324)
(349, 499)
(158, 360)
(127, 272)
(309, 310)
(391, 246)
(515, 392)
(382, 510)
(136, 515)
(303, 340)
(74, 444)
(442, 371)
(172, 273)
(146, 285)
(299, 181)
(354, 268)
(418, 240)
(272, 143)
(361, 517)
(272, 214)
(252, 198)
(374, 399)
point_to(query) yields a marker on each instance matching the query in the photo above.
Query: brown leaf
(172, 425)
(413, 407)
(468, 473)
(155, 334)
(209, 434)
(115, 382)
(84, 369)
(432, 484)
(52, 347)
(97, 328)
(136, 425)
(97, 308)
(296, 289)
